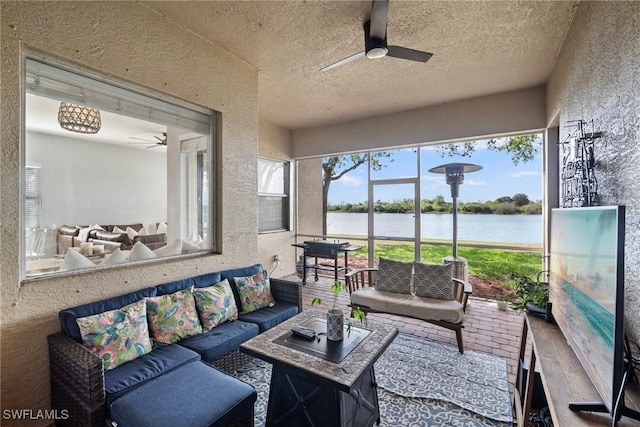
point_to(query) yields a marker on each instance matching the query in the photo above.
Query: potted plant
(531, 295)
(503, 300)
(335, 316)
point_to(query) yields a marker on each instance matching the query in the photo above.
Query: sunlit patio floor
(486, 328)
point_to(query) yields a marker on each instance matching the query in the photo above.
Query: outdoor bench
(441, 312)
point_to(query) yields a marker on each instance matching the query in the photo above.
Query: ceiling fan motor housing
(374, 47)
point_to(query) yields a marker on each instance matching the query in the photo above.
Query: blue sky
(498, 177)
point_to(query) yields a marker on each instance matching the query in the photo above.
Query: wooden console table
(563, 379)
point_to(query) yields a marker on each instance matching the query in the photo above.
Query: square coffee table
(320, 383)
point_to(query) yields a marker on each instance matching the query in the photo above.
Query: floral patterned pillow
(255, 292)
(215, 305)
(117, 336)
(173, 317)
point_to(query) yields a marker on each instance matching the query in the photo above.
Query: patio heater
(455, 178)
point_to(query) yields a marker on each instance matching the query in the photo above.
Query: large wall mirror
(111, 175)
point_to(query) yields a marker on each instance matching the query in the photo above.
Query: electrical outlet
(276, 258)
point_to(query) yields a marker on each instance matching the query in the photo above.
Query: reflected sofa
(69, 236)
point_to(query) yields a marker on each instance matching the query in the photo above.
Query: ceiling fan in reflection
(160, 141)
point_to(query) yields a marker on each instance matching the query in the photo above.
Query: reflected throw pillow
(434, 280)
(117, 336)
(74, 260)
(255, 292)
(215, 305)
(117, 257)
(173, 317)
(131, 233)
(394, 276)
(140, 252)
(117, 229)
(173, 249)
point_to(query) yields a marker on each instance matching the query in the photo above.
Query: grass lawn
(490, 264)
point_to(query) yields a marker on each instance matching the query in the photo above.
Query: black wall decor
(579, 186)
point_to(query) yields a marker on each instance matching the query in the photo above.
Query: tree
(334, 168)
(522, 148)
(521, 199)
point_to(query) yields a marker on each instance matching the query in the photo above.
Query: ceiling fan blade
(140, 139)
(379, 11)
(343, 61)
(410, 54)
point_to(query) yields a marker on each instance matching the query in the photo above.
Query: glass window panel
(273, 213)
(146, 168)
(271, 177)
(273, 195)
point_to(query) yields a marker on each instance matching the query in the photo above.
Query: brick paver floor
(486, 329)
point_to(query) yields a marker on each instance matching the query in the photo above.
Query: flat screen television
(586, 279)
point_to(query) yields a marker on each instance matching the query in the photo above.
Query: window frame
(213, 137)
(286, 220)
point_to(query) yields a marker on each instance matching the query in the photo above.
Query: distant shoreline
(530, 247)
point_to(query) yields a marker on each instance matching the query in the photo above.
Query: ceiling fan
(375, 40)
(161, 141)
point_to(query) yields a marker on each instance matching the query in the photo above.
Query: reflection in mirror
(110, 175)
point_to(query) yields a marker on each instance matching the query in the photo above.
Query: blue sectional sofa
(155, 388)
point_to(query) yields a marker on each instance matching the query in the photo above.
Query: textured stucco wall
(488, 116)
(126, 40)
(274, 142)
(597, 76)
(310, 197)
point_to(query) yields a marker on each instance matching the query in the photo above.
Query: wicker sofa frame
(366, 277)
(77, 374)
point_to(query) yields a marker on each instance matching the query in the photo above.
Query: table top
(337, 248)
(343, 374)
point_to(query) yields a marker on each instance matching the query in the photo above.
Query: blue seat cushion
(194, 395)
(130, 375)
(68, 317)
(220, 340)
(268, 317)
(239, 272)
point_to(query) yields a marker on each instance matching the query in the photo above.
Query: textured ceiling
(479, 47)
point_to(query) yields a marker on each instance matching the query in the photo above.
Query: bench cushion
(194, 395)
(268, 317)
(220, 340)
(409, 305)
(130, 375)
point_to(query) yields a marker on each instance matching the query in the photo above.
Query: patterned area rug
(423, 383)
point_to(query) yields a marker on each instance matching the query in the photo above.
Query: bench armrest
(462, 291)
(361, 278)
(77, 382)
(287, 291)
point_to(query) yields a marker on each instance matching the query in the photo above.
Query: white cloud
(475, 183)
(351, 181)
(524, 174)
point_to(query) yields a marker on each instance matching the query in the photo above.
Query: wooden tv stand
(563, 379)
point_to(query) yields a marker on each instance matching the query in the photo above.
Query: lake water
(484, 228)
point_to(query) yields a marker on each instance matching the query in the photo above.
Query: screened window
(274, 202)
